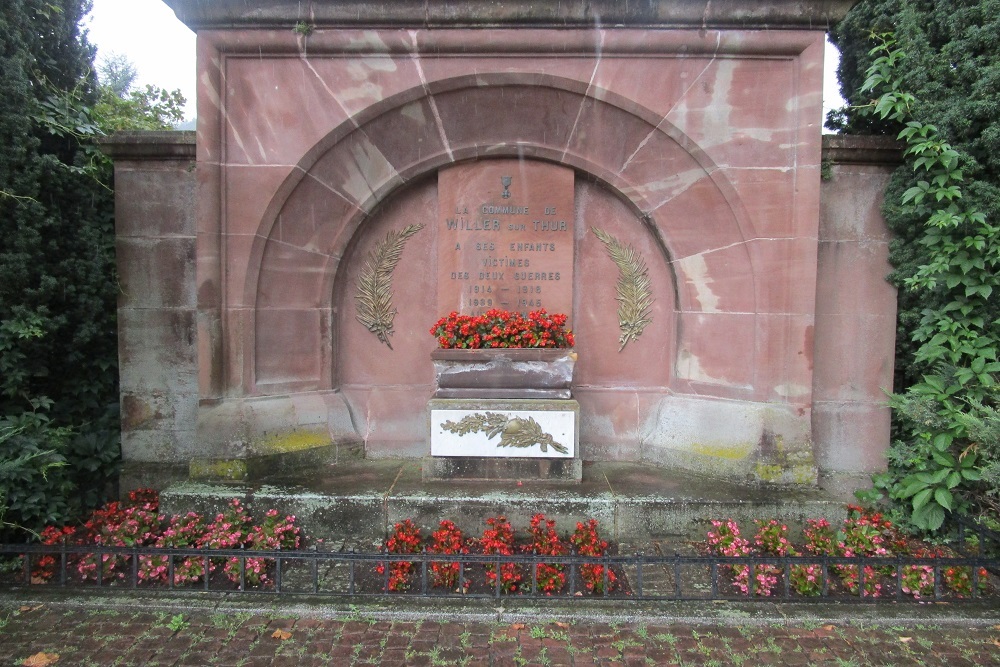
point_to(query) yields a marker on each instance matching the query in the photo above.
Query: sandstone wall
(694, 139)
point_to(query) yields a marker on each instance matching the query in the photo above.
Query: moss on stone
(293, 442)
(223, 469)
(729, 452)
(768, 472)
(804, 474)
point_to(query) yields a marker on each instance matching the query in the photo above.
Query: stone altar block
(523, 440)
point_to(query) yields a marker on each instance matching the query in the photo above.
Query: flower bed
(864, 533)
(548, 578)
(128, 545)
(138, 523)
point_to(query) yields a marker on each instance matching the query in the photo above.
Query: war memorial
(655, 171)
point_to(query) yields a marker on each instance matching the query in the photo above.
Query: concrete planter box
(504, 373)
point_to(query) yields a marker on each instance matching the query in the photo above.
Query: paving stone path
(101, 636)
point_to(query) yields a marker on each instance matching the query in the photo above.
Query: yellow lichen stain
(729, 452)
(769, 473)
(231, 469)
(293, 442)
(804, 474)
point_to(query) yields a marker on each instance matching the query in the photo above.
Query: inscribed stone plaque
(505, 238)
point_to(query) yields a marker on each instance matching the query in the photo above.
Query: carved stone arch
(647, 162)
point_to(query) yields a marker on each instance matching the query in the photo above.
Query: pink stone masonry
(505, 237)
(695, 145)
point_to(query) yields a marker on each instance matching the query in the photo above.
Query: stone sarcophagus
(653, 170)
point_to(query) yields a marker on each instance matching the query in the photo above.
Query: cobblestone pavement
(100, 634)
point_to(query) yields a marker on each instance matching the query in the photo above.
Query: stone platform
(363, 499)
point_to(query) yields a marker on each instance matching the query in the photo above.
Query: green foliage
(35, 488)
(982, 425)
(58, 345)
(931, 475)
(953, 77)
(149, 108)
(117, 74)
(954, 269)
(177, 623)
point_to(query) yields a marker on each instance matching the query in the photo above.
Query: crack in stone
(415, 57)
(590, 86)
(646, 140)
(305, 59)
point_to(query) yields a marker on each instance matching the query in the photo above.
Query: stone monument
(654, 170)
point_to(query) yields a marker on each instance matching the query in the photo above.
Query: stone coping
(149, 144)
(769, 14)
(180, 144)
(862, 149)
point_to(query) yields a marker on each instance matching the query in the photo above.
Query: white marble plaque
(503, 433)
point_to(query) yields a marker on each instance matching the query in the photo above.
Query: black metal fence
(972, 575)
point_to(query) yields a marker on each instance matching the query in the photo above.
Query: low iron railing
(638, 576)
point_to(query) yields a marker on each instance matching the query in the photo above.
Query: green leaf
(933, 517)
(943, 497)
(914, 194)
(942, 441)
(921, 499)
(944, 459)
(911, 489)
(971, 474)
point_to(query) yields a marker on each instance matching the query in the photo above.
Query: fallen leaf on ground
(40, 660)
(905, 639)
(282, 634)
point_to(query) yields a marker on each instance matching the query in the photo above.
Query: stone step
(361, 500)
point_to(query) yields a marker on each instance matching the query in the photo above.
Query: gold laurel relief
(635, 294)
(374, 298)
(513, 431)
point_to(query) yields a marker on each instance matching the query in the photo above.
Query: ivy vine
(936, 472)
